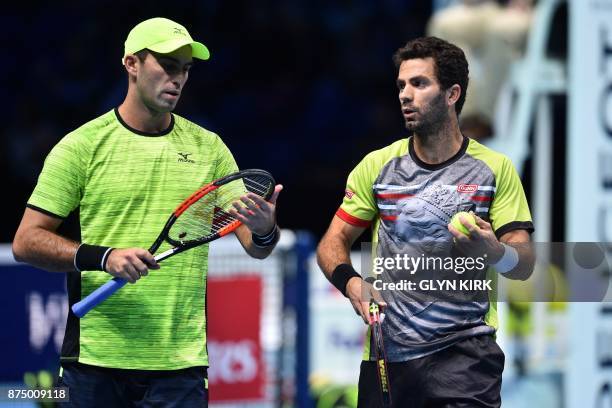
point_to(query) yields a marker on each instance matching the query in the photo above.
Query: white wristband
(74, 259)
(508, 261)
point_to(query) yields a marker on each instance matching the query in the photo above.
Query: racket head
(204, 216)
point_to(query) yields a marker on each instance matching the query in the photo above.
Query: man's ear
(452, 94)
(130, 61)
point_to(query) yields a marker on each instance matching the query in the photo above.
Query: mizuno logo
(467, 188)
(184, 157)
(179, 31)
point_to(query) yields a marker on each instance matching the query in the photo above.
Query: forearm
(526, 261)
(45, 249)
(332, 251)
(334, 254)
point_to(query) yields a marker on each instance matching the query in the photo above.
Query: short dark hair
(450, 64)
(142, 54)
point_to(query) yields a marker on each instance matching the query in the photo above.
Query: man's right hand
(359, 293)
(130, 263)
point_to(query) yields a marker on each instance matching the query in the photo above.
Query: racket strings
(210, 214)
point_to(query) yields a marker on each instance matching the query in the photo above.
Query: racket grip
(98, 296)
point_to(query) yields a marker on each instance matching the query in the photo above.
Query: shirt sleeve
(509, 210)
(61, 182)
(226, 164)
(358, 207)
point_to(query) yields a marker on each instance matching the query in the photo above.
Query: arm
(335, 246)
(258, 217)
(521, 241)
(333, 251)
(482, 240)
(37, 243)
(245, 236)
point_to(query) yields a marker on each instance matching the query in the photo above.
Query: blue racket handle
(98, 296)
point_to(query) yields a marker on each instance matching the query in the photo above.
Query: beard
(430, 118)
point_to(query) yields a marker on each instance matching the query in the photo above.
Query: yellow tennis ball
(45, 379)
(455, 222)
(30, 380)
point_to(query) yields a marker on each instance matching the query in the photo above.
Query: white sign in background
(589, 192)
(337, 334)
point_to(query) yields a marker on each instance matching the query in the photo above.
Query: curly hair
(450, 64)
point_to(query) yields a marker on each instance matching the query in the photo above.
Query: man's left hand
(480, 241)
(256, 213)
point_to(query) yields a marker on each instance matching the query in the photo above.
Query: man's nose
(178, 80)
(405, 95)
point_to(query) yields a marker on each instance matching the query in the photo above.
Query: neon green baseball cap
(163, 36)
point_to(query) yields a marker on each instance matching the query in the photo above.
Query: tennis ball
(455, 222)
(45, 379)
(30, 380)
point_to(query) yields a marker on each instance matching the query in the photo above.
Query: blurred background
(305, 89)
(300, 88)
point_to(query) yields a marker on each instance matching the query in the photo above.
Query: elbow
(18, 250)
(20, 245)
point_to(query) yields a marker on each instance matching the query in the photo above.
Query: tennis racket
(376, 319)
(202, 217)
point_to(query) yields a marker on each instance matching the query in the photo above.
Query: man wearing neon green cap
(126, 171)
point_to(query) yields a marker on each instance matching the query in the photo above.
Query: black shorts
(467, 374)
(92, 387)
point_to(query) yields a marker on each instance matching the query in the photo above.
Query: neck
(140, 117)
(440, 144)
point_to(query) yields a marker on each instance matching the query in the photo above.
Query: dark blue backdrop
(34, 306)
(303, 88)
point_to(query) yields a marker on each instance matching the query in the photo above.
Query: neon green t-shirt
(126, 184)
